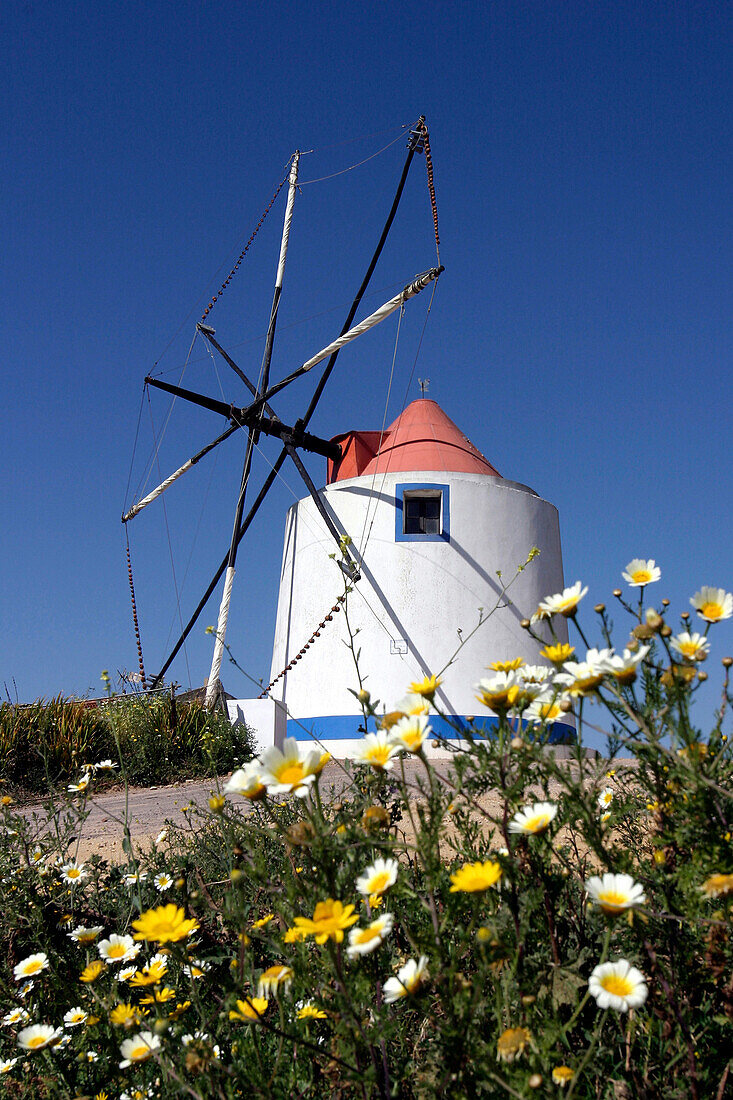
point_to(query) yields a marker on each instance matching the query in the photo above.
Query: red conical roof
(423, 437)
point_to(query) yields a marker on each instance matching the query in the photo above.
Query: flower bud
(727, 662)
(599, 608)
(236, 876)
(375, 817)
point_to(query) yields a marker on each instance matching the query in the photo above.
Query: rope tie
(134, 614)
(301, 652)
(431, 185)
(245, 250)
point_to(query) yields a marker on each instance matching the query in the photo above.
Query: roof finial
(424, 384)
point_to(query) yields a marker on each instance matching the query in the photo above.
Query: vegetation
(161, 740)
(520, 926)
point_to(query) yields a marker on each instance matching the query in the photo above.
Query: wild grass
(161, 740)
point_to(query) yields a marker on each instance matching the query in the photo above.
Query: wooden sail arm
(413, 288)
(155, 493)
(350, 566)
(250, 417)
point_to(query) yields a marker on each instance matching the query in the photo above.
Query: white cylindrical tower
(437, 533)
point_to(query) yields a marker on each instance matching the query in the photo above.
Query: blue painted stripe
(345, 727)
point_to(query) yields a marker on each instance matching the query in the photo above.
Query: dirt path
(148, 808)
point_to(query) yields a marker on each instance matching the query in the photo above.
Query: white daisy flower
(413, 704)
(38, 1036)
(615, 893)
(118, 949)
(500, 691)
(624, 669)
(83, 935)
(565, 602)
(409, 979)
(605, 798)
(691, 647)
(378, 877)
(364, 940)
(31, 965)
(7, 1064)
(546, 707)
(74, 872)
(533, 819)
(126, 973)
(81, 784)
(246, 782)
(196, 969)
(618, 985)
(534, 674)
(410, 732)
(163, 882)
(15, 1016)
(584, 677)
(138, 1048)
(26, 988)
(106, 765)
(713, 604)
(639, 573)
(290, 770)
(162, 835)
(378, 750)
(75, 1016)
(273, 979)
(134, 877)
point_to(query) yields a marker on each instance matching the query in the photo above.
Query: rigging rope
(370, 498)
(245, 250)
(358, 164)
(134, 611)
(431, 185)
(145, 476)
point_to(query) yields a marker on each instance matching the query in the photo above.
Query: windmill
(260, 418)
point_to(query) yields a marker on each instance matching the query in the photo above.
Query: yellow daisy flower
(165, 924)
(475, 877)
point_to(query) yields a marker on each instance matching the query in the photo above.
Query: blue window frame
(422, 512)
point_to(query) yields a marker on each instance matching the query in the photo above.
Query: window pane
(421, 514)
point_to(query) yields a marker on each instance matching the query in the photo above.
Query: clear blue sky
(581, 334)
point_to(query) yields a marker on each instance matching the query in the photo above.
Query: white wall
(421, 593)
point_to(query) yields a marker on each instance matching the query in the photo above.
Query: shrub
(161, 740)
(511, 926)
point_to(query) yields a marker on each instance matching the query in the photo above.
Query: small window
(421, 513)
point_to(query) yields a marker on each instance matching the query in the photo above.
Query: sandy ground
(149, 808)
